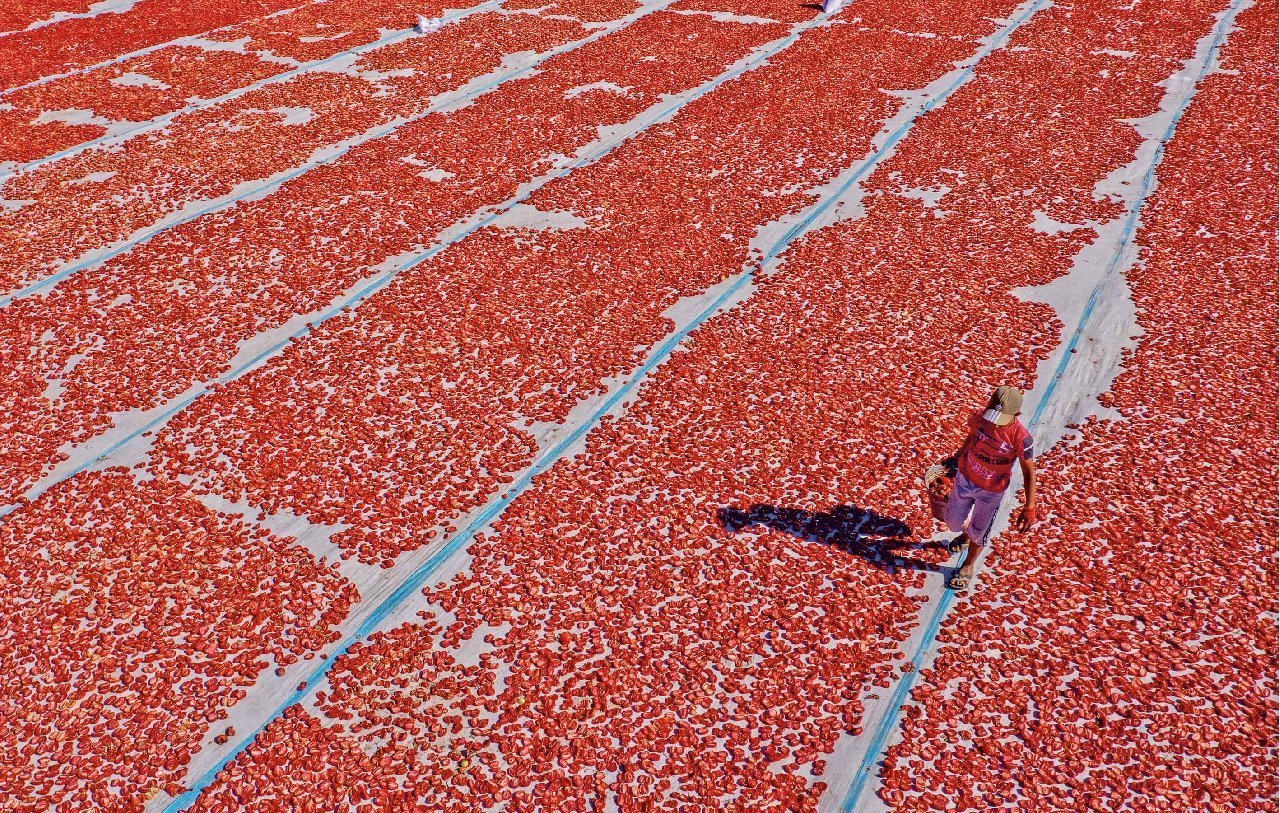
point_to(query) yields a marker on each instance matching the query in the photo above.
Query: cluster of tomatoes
(135, 90)
(318, 30)
(588, 11)
(1123, 656)
(17, 16)
(96, 198)
(781, 10)
(80, 42)
(134, 617)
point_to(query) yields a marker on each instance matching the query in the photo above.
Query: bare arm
(1030, 510)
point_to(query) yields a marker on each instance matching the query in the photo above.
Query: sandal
(956, 545)
(959, 581)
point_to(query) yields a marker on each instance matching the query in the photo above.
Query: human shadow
(857, 531)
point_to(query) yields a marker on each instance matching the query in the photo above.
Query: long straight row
(1124, 658)
(688, 614)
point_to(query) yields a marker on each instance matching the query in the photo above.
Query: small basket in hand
(938, 482)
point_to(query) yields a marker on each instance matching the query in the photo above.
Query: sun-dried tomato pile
(134, 616)
(338, 279)
(31, 51)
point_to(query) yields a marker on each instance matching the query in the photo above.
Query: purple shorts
(977, 505)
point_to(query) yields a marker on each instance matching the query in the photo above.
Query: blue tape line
(1131, 221)
(905, 682)
(875, 749)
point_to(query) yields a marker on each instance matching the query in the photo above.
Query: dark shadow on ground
(857, 531)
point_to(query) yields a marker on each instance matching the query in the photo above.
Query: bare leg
(971, 555)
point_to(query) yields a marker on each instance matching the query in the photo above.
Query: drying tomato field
(523, 406)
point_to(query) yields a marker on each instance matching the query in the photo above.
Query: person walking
(984, 465)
